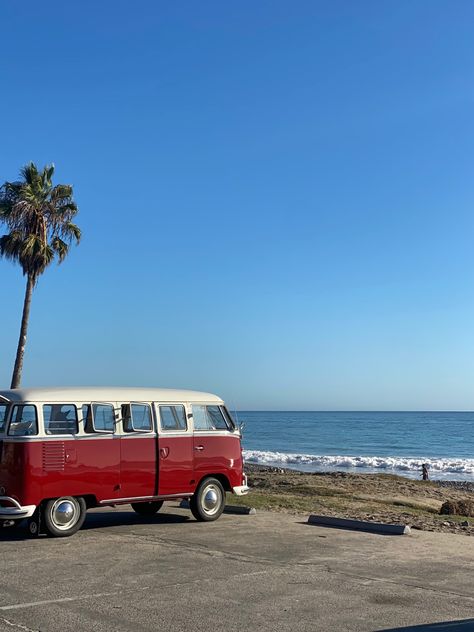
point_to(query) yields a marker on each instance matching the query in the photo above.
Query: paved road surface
(267, 572)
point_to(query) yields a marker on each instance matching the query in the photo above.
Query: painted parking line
(46, 602)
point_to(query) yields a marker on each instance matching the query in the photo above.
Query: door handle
(199, 448)
(164, 452)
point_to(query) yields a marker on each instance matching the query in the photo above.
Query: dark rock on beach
(457, 508)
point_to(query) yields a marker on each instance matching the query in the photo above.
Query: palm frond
(60, 247)
(61, 192)
(29, 173)
(49, 170)
(10, 246)
(70, 232)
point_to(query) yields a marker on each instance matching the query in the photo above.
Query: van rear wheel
(147, 509)
(64, 516)
(208, 501)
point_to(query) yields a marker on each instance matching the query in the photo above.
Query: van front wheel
(64, 516)
(208, 501)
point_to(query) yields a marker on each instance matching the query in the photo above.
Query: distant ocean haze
(364, 442)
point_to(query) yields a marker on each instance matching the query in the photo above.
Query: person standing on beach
(424, 471)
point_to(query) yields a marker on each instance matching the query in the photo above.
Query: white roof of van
(66, 394)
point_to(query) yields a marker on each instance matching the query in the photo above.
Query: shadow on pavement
(99, 520)
(15, 534)
(467, 625)
(125, 518)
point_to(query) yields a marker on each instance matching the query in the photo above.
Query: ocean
(363, 442)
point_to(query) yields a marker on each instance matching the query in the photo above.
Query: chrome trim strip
(116, 501)
(215, 433)
(136, 434)
(110, 436)
(36, 439)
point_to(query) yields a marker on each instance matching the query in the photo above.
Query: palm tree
(39, 217)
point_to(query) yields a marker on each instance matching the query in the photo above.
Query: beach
(374, 497)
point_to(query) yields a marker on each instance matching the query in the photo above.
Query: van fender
(222, 478)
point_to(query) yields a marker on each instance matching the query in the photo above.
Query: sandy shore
(376, 497)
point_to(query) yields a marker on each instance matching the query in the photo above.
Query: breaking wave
(448, 468)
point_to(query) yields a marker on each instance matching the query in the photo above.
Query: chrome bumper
(13, 510)
(241, 490)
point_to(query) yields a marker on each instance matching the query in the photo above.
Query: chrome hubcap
(65, 513)
(211, 499)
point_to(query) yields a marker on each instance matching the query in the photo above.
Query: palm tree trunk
(20, 352)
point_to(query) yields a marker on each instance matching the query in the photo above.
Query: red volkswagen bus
(64, 450)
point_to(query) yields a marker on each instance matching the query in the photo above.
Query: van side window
(24, 422)
(173, 418)
(136, 418)
(141, 417)
(98, 418)
(200, 418)
(3, 416)
(60, 419)
(103, 417)
(209, 418)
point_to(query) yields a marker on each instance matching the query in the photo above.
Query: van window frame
(228, 417)
(133, 429)
(100, 431)
(10, 417)
(223, 416)
(173, 430)
(61, 434)
(228, 428)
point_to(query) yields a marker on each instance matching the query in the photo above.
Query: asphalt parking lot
(267, 572)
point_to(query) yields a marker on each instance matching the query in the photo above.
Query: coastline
(440, 467)
(375, 497)
(460, 484)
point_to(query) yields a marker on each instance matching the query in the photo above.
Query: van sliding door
(175, 449)
(138, 452)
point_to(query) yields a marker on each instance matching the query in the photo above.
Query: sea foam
(408, 466)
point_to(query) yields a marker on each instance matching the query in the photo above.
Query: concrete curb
(359, 525)
(229, 509)
(237, 509)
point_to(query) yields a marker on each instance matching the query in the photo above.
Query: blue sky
(276, 198)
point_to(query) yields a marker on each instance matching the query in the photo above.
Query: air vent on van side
(53, 456)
